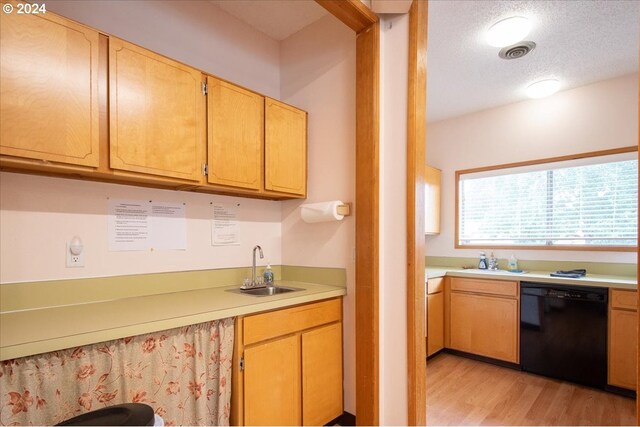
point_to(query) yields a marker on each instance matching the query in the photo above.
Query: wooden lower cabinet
(435, 316)
(623, 339)
(485, 325)
(435, 323)
(292, 362)
(322, 374)
(272, 382)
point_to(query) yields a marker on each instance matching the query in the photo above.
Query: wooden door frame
(365, 23)
(416, 157)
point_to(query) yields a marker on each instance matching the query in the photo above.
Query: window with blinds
(587, 202)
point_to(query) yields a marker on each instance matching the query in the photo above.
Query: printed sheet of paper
(140, 225)
(128, 225)
(224, 226)
(169, 226)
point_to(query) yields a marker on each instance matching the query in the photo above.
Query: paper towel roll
(321, 212)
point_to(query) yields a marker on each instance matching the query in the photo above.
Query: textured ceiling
(276, 18)
(578, 42)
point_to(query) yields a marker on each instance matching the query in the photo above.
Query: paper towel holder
(344, 209)
(329, 211)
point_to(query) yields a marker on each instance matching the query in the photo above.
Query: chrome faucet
(253, 268)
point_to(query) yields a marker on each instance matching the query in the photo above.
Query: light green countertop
(600, 280)
(44, 329)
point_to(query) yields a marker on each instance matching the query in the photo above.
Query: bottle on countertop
(482, 265)
(513, 263)
(493, 262)
(268, 274)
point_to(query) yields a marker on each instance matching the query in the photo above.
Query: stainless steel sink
(264, 292)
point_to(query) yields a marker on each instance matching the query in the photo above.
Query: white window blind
(586, 202)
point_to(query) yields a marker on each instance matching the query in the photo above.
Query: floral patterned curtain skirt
(183, 373)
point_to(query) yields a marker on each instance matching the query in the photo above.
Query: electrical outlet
(74, 260)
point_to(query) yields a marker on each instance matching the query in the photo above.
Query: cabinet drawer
(624, 299)
(483, 286)
(260, 327)
(435, 285)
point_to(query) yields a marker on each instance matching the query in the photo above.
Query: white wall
(197, 33)
(318, 75)
(599, 116)
(394, 72)
(40, 214)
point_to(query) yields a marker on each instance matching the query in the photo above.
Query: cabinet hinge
(205, 88)
(242, 363)
(205, 170)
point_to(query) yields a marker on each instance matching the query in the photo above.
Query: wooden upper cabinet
(235, 135)
(48, 89)
(285, 148)
(433, 178)
(157, 117)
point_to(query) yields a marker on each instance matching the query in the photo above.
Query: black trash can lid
(127, 414)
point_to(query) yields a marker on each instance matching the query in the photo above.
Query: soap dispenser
(268, 275)
(482, 265)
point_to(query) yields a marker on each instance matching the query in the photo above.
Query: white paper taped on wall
(224, 225)
(140, 225)
(322, 212)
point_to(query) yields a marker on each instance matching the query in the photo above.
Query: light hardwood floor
(461, 391)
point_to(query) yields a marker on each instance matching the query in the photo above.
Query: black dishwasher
(563, 332)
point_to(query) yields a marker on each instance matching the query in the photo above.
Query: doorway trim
(365, 23)
(416, 156)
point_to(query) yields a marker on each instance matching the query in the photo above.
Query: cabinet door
(272, 383)
(322, 375)
(48, 89)
(432, 178)
(157, 117)
(435, 323)
(285, 148)
(623, 348)
(235, 135)
(484, 325)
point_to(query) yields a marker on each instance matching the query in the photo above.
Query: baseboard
(502, 363)
(610, 388)
(346, 419)
(621, 391)
(442, 350)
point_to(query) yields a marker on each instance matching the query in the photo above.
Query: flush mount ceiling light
(508, 31)
(543, 88)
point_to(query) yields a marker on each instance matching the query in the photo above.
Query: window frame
(601, 248)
